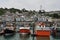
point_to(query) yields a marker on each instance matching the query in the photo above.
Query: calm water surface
(19, 37)
(25, 37)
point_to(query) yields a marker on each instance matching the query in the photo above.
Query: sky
(48, 5)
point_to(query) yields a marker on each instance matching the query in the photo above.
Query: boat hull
(1, 33)
(8, 32)
(56, 33)
(24, 31)
(42, 33)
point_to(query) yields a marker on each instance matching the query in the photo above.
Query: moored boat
(56, 32)
(9, 30)
(42, 30)
(1, 32)
(1, 28)
(24, 30)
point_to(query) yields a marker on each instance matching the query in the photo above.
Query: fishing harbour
(25, 32)
(36, 27)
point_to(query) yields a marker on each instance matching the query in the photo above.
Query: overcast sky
(47, 5)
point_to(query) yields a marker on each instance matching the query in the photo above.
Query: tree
(6, 8)
(12, 10)
(55, 15)
(24, 10)
(2, 11)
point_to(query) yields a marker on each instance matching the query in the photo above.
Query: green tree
(12, 10)
(55, 15)
(2, 11)
(24, 10)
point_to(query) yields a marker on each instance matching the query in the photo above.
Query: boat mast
(40, 7)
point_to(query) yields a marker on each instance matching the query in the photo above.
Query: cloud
(31, 4)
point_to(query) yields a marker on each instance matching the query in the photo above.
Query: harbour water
(17, 36)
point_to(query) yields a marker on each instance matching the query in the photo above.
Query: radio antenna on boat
(40, 7)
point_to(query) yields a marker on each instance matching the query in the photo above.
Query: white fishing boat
(24, 30)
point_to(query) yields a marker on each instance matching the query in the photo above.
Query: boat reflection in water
(42, 38)
(24, 37)
(10, 36)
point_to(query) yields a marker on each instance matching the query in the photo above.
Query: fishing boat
(9, 30)
(56, 32)
(1, 32)
(24, 30)
(42, 30)
(1, 29)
